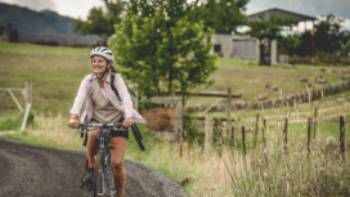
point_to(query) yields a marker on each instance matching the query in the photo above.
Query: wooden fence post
(208, 134)
(228, 111)
(309, 125)
(232, 137)
(309, 94)
(315, 122)
(179, 129)
(342, 137)
(285, 134)
(28, 105)
(256, 129)
(263, 132)
(244, 141)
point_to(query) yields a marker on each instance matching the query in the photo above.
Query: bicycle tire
(99, 183)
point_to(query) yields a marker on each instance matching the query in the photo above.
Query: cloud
(34, 4)
(76, 8)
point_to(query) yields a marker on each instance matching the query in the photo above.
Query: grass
(54, 71)
(250, 79)
(57, 71)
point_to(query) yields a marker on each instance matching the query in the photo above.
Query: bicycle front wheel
(104, 180)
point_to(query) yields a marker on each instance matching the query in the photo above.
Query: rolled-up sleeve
(125, 96)
(80, 97)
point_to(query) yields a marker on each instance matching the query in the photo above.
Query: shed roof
(280, 12)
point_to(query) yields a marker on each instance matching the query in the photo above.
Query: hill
(42, 27)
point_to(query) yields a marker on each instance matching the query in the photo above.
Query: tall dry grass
(264, 171)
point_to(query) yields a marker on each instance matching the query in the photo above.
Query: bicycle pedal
(86, 182)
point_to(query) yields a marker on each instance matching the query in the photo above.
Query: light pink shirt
(84, 96)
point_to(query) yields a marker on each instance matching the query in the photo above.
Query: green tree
(266, 30)
(329, 35)
(224, 16)
(162, 48)
(101, 20)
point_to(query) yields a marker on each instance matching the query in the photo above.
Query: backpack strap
(113, 86)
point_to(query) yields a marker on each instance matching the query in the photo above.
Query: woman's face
(99, 65)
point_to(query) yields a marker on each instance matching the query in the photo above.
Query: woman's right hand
(73, 122)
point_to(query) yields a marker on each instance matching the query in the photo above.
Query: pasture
(265, 170)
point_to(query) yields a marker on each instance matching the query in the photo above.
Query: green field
(57, 71)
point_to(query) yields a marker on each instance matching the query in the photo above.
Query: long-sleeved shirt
(84, 95)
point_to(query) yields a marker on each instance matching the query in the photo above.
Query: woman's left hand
(128, 122)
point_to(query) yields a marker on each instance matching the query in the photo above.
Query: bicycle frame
(103, 139)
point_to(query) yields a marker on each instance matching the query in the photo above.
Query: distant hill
(43, 27)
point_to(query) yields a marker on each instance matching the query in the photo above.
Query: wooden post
(342, 137)
(228, 111)
(285, 134)
(15, 100)
(179, 130)
(256, 129)
(309, 125)
(315, 122)
(28, 105)
(263, 132)
(244, 141)
(232, 137)
(309, 96)
(208, 134)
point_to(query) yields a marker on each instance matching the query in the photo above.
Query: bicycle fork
(105, 161)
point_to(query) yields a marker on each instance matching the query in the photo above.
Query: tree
(162, 48)
(266, 30)
(100, 20)
(328, 35)
(224, 16)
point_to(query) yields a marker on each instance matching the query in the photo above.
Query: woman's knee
(118, 165)
(92, 134)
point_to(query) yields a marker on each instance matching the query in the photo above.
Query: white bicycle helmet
(103, 52)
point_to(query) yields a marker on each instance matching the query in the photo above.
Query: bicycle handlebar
(101, 125)
(134, 128)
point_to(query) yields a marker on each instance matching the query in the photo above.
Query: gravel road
(27, 171)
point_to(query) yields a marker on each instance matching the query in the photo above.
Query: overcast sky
(80, 8)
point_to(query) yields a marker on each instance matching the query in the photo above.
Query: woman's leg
(119, 145)
(90, 147)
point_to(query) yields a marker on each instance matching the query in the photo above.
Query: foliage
(328, 43)
(100, 20)
(266, 30)
(193, 134)
(269, 28)
(162, 48)
(329, 36)
(224, 15)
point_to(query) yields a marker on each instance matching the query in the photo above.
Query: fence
(178, 130)
(217, 125)
(27, 106)
(306, 96)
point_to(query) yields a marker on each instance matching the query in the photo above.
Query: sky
(80, 8)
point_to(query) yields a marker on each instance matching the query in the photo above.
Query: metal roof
(280, 12)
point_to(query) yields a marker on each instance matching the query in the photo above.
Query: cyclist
(103, 105)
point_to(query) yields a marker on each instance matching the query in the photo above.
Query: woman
(103, 105)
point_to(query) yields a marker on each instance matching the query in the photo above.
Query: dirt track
(27, 171)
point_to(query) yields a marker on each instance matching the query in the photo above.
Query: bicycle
(102, 181)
